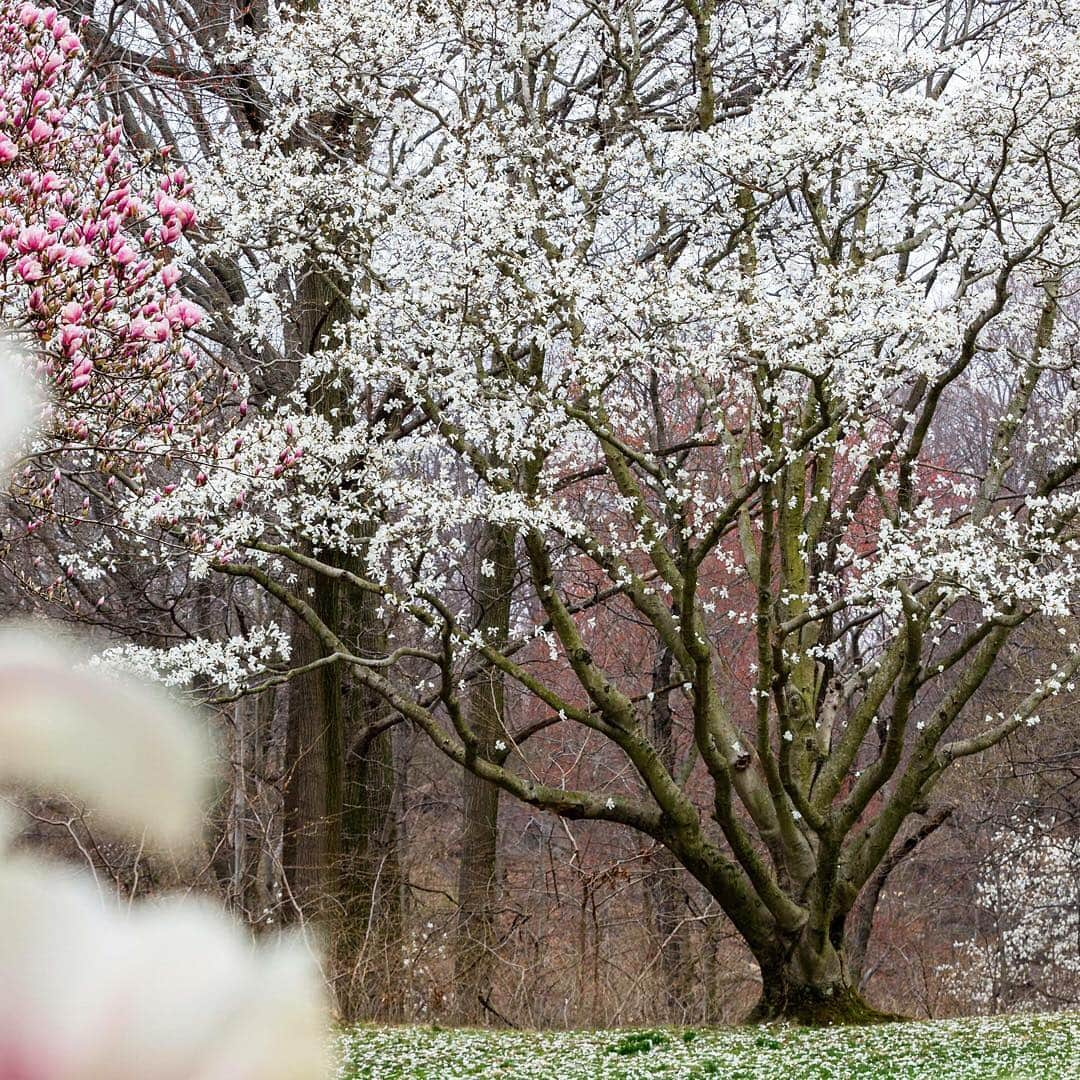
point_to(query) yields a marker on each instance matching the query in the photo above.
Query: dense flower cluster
(1029, 1047)
(88, 245)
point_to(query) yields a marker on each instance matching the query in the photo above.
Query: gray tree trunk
(478, 884)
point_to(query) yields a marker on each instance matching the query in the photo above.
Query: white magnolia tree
(665, 308)
(1027, 953)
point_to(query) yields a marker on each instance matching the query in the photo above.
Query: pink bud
(185, 214)
(185, 313)
(71, 337)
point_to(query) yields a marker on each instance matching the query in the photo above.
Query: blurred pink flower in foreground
(153, 991)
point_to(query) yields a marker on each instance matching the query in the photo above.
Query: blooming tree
(88, 281)
(1028, 892)
(670, 305)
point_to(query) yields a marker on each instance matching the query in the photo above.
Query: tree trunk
(478, 887)
(665, 883)
(315, 777)
(811, 988)
(368, 941)
(367, 944)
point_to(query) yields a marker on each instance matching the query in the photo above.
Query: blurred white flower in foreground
(125, 750)
(151, 991)
(169, 991)
(20, 402)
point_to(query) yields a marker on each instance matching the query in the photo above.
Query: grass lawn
(1013, 1046)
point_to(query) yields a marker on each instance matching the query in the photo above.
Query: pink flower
(185, 313)
(81, 371)
(8, 150)
(71, 337)
(185, 214)
(158, 331)
(28, 268)
(40, 131)
(79, 257)
(34, 238)
(170, 275)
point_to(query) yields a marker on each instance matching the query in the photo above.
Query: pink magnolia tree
(89, 232)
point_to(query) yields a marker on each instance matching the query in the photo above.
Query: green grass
(1012, 1046)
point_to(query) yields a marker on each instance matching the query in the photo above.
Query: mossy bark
(824, 996)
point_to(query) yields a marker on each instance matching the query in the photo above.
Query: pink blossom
(28, 268)
(40, 131)
(185, 214)
(34, 238)
(185, 313)
(71, 337)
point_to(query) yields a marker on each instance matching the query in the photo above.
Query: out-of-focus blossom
(18, 402)
(124, 749)
(170, 991)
